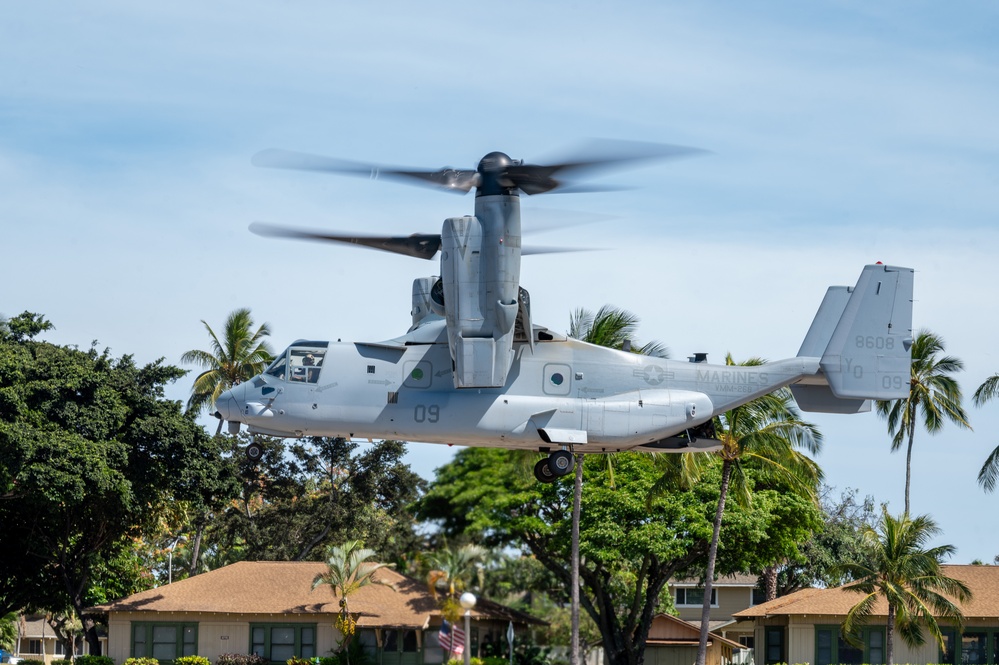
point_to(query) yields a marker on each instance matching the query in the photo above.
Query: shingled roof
(285, 587)
(982, 580)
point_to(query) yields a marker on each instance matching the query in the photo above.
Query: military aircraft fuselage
(564, 392)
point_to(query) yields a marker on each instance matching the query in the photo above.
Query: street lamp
(178, 539)
(467, 601)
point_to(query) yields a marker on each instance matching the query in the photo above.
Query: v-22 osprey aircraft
(474, 370)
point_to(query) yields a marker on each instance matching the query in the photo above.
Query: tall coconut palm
(908, 576)
(613, 328)
(347, 570)
(239, 355)
(770, 433)
(934, 398)
(989, 473)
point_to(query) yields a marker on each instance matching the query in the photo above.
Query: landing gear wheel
(561, 462)
(543, 472)
(254, 452)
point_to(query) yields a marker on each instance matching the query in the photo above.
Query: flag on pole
(451, 638)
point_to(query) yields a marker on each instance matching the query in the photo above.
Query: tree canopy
(89, 450)
(630, 544)
(304, 496)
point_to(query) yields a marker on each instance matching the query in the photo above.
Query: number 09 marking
(426, 414)
(892, 382)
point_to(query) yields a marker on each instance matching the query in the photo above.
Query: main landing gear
(556, 465)
(254, 452)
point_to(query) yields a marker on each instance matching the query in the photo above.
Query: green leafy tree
(840, 538)
(90, 450)
(908, 577)
(304, 495)
(8, 631)
(934, 398)
(989, 473)
(347, 571)
(630, 547)
(770, 433)
(239, 355)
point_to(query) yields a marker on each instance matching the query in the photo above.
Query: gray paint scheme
(562, 392)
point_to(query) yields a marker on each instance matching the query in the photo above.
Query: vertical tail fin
(862, 336)
(868, 354)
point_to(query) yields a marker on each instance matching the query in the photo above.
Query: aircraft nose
(226, 407)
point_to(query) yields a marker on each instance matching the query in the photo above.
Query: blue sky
(842, 133)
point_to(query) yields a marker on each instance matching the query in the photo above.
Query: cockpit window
(306, 363)
(279, 367)
(301, 363)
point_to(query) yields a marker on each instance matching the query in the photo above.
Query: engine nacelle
(480, 275)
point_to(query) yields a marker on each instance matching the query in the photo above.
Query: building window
(949, 652)
(975, 648)
(774, 645)
(971, 648)
(164, 641)
(433, 652)
(831, 647)
(759, 596)
(369, 643)
(695, 597)
(278, 642)
(34, 646)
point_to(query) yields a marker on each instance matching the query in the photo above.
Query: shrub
(141, 661)
(192, 660)
(495, 660)
(240, 659)
(61, 661)
(93, 660)
(31, 661)
(295, 660)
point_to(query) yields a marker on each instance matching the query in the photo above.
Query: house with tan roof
(673, 641)
(729, 594)
(804, 627)
(269, 608)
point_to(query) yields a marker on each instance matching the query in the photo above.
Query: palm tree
(933, 394)
(240, 355)
(347, 570)
(989, 473)
(613, 328)
(908, 577)
(452, 569)
(768, 432)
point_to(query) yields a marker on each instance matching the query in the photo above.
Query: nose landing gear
(556, 465)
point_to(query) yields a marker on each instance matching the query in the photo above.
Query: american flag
(452, 638)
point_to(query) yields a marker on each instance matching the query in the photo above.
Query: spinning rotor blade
(496, 172)
(454, 180)
(595, 156)
(530, 251)
(418, 245)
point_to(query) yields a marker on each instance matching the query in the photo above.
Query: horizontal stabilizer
(820, 399)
